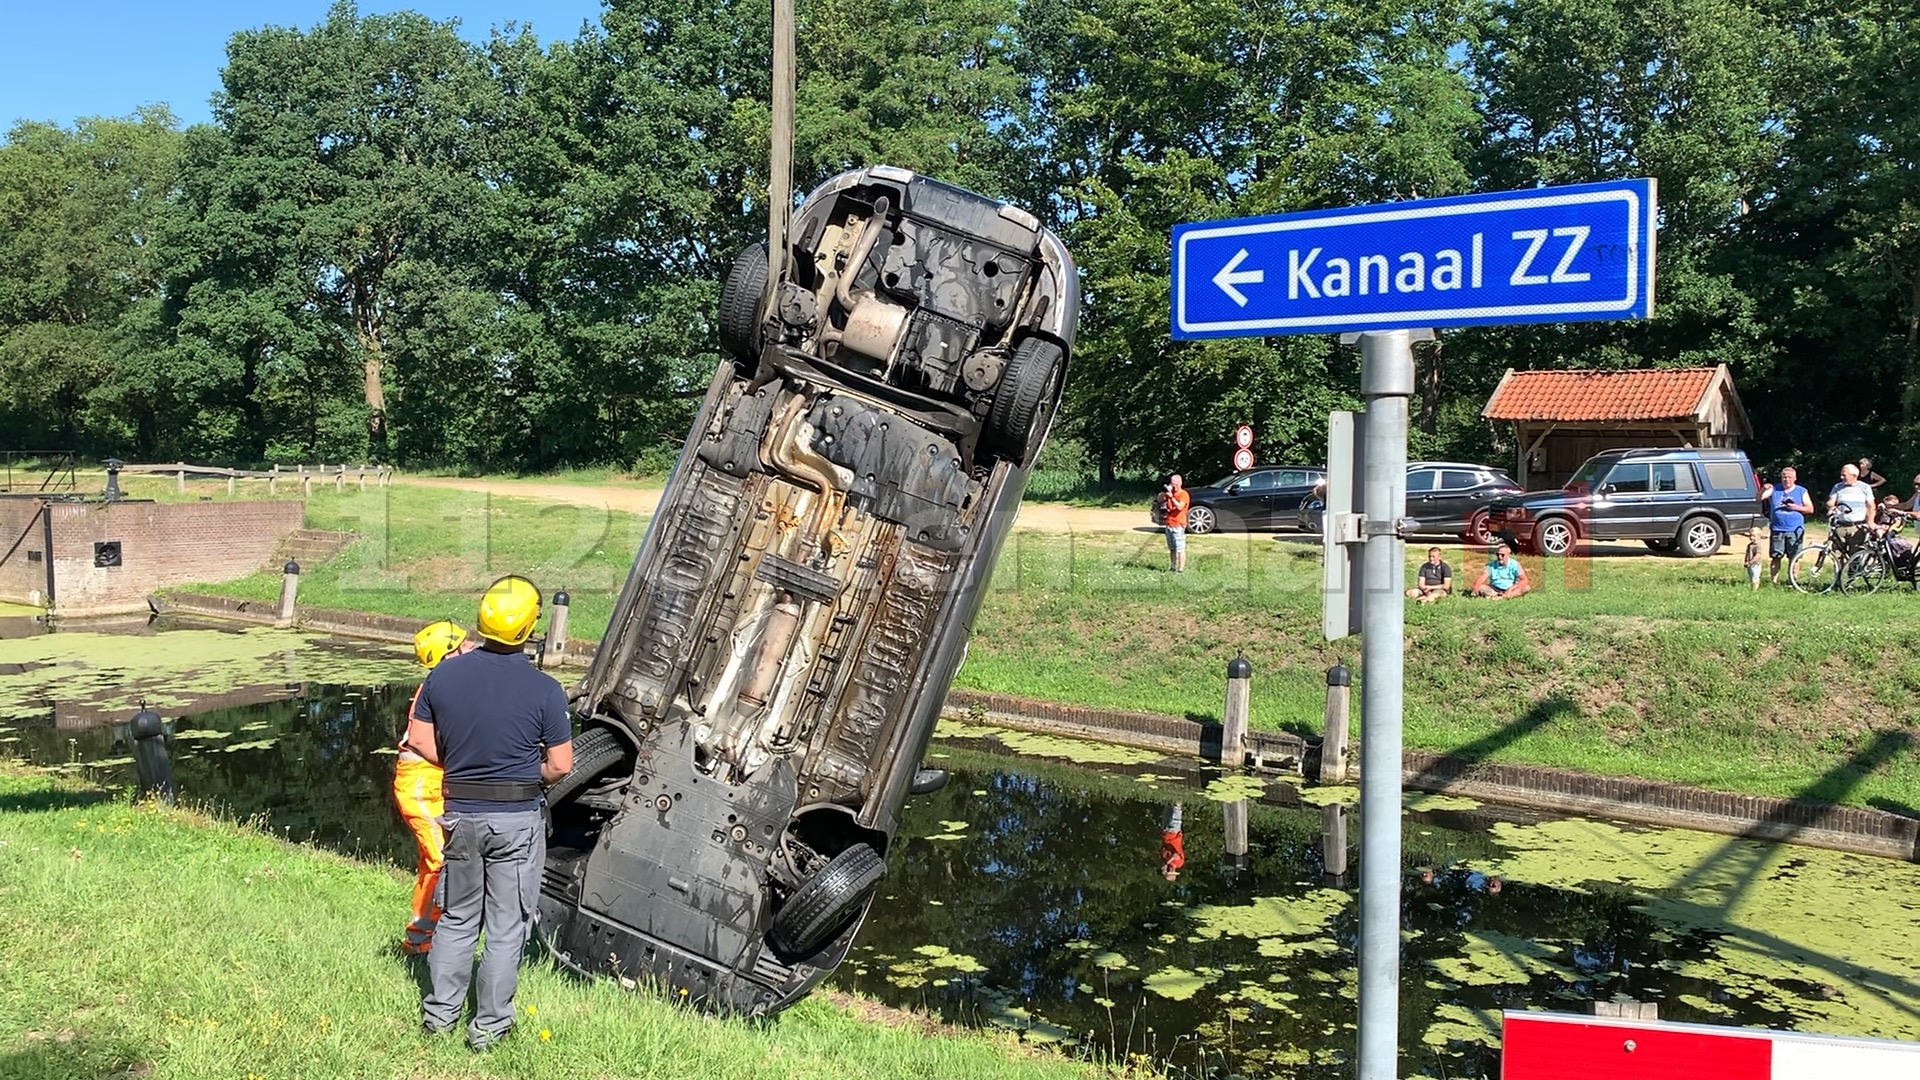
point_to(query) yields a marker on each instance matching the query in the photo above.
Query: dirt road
(639, 499)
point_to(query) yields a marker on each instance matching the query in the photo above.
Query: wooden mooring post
(1233, 718)
(1333, 741)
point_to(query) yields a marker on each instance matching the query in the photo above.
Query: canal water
(1045, 890)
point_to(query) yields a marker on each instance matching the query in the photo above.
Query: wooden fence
(304, 475)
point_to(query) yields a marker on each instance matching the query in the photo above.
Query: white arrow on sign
(1228, 277)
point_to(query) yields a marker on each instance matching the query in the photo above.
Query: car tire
(594, 752)
(822, 906)
(1555, 537)
(1023, 406)
(740, 300)
(1479, 529)
(1201, 520)
(1700, 537)
(1661, 545)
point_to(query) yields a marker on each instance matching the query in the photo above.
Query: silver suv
(756, 715)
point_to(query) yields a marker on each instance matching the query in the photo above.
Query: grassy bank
(427, 552)
(1622, 664)
(155, 943)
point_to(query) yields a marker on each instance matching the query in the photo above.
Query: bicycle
(1857, 565)
(1882, 562)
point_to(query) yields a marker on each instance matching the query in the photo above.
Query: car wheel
(1023, 406)
(1200, 520)
(1660, 545)
(594, 752)
(1700, 537)
(1479, 529)
(818, 909)
(1556, 537)
(740, 304)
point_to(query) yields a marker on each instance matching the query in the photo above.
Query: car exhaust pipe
(770, 652)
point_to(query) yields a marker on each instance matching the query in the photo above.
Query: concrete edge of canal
(1630, 799)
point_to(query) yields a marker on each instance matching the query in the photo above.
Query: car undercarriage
(756, 715)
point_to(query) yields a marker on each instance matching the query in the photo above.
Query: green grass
(157, 943)
(427, 552)
(1642, 666)
(1637, 666)
(1077, 488)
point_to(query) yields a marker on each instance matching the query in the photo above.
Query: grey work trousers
(492, 881)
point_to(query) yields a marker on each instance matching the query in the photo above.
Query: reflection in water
(1037, 895)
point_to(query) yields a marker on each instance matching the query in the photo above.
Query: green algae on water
(1271, 916)
(173, 669)
(1342, 794)
(1457, 1023)
(1178, 984)
(1079, 751)
(1780, 918)
(1488, 958)
(1235, 788)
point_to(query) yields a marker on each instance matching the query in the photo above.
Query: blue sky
(64, 59)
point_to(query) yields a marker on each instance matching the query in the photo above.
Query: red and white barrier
(1555, 1046)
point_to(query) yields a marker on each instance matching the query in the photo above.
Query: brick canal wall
(158, 545)
(1628, 799)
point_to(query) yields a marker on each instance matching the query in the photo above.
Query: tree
(364, 142)
(78, 283)
(1684, 91)
(1235, 110)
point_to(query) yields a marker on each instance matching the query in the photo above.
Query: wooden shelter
(1562, 418)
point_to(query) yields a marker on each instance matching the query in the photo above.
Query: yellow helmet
(508, 610)
(435, 641)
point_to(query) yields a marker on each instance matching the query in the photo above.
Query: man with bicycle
(1849, 507)
(1787, 506)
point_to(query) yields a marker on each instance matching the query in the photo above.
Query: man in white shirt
(1849, 504)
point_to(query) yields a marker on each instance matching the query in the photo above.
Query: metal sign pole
(780, 160)
(1386, 382)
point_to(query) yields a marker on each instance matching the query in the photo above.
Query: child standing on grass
(1755, 546)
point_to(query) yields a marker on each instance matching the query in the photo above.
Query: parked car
(1265, 498)
(1682, 499)
(755, 716)
(1446, 498)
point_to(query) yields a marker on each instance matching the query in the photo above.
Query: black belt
(491, 790)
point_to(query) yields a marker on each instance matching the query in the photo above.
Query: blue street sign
(1560, 254)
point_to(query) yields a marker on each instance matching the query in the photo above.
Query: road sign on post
(1387, 274)
(1560, 254)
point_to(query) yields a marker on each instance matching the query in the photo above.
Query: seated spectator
(1433, 580)
(1504, 578)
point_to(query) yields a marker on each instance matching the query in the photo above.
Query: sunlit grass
(141, 941)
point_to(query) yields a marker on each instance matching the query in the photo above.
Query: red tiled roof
(1638, 394)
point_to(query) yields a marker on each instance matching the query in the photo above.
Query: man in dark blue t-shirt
(499, 727)
(1787, 506)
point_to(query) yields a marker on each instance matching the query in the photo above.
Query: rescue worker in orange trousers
(417, 789)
